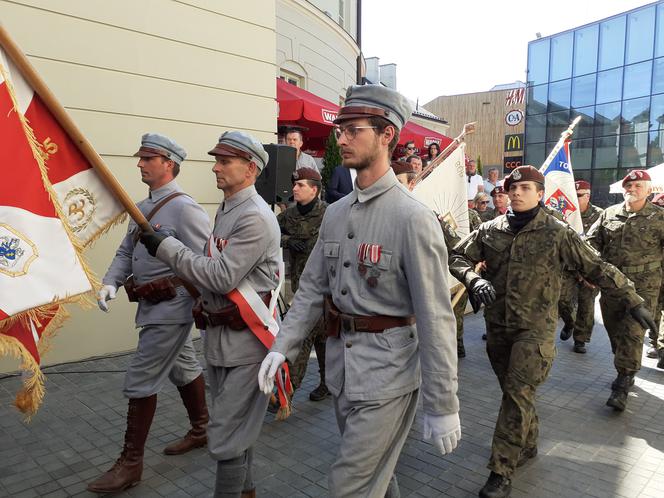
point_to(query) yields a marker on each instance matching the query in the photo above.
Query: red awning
(422, 137)
(301, 108)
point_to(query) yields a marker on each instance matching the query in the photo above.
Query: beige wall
(315, 48)
(189, 69)
(441, 128)
(489, 110)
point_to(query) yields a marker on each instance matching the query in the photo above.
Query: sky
(446, 47)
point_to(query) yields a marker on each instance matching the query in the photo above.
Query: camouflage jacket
(526, 270)
(301, 227)
(590, 216)
(487, 215)
(631, 241)
(474, 220)
(450, 236)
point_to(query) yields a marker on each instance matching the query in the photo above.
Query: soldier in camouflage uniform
(658, 342)
(585, 292)
(630, 235)
(524, 252)
(299, 231)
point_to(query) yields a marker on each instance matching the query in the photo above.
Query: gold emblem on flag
(17, 252)
(48, 148)
(80, 206)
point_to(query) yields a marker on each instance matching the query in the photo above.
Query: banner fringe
(36, 148)
(117, 220)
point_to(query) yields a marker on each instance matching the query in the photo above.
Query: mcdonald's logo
(514, 143)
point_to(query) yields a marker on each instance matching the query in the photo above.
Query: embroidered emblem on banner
(80, 206)
(17, 252)
(561, 203)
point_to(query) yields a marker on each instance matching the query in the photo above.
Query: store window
(607, 119)
(585, 50)
(583, 90)
(537, 99)
(635, 115)
(559, 95)
(609, 85)
(640, 35)
(561, 57)
(612, 43)
(538, 62)
(637, 80)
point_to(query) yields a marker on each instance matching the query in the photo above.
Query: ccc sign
(509, 163)
(514, 143)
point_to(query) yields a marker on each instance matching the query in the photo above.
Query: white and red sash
(260, 319)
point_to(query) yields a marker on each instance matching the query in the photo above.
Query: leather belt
(335, 321)
(228, 316)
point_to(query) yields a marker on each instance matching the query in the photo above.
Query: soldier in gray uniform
(244, 250)
(525, 251)
(379, 273)
(630, 235)
(164, 351)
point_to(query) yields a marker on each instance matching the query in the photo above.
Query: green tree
(331, 158)
(479, 165)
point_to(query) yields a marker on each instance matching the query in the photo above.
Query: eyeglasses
(410, 148)
(483, 202)
(350, 131)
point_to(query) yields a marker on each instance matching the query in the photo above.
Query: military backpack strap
(154, 210)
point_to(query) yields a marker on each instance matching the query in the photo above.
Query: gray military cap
(240, 144)
(155, 144)
(375, 100)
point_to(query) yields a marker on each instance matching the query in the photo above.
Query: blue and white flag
(559, 190)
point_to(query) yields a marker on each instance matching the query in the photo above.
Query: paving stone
(585, 449)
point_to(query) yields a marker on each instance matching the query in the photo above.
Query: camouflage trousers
(625, 333)
(566, 302)
(576, 307)
(658, 342)
(521, 360)
(298, 368)
(459, 312)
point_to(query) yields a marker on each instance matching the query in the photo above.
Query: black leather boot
(496, 486)
(618, 398)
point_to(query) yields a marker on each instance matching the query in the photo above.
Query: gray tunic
(190, 224)
(247, 232)
(252, 233)
(411, 279)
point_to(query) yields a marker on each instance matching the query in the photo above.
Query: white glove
(443, 431)
(268, 370)
(106, 293)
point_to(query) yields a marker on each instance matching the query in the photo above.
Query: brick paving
(585, 449)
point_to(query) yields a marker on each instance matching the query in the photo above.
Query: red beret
(582, 185)
(637, 174)
(525, 173)
(499, 189)
(401, 167)
(305, 174)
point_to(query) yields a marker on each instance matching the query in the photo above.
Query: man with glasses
(384, 291)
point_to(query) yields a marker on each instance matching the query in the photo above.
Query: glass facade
(611, 73)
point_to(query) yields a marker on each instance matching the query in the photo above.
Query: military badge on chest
(369, 253)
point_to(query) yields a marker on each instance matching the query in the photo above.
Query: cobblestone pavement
(585, 449)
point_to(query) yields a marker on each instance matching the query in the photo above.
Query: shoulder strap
(154, 210)
(162, 203)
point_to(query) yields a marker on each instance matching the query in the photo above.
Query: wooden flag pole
(468, 128)
(61, 116)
